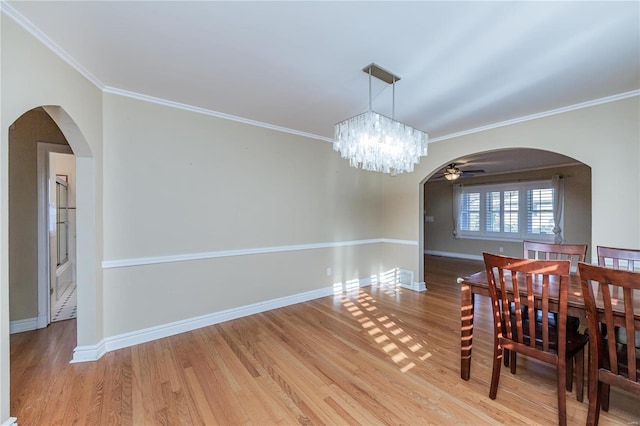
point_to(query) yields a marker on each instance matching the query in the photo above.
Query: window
(470, 214)
(512, 211)
(540, 211)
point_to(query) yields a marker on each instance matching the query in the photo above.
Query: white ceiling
(298, 65)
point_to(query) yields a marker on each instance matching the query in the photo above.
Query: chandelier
(378, 143)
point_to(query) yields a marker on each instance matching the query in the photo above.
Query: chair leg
(495, 374)
(588, 365)
(593, 415)
(604, 396)
(579, 359)
(593, 387)
(569, 376)
(513, 362)
(562, 392)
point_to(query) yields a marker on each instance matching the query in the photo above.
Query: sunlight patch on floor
(392, 339)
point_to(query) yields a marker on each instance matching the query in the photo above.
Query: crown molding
(556, 111)
(6, 9)
(191, 108)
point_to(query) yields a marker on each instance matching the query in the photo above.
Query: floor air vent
(404, 279)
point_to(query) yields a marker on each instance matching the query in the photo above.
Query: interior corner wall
(204, 214)
(401, 217)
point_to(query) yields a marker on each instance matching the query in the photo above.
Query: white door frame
(44, 306)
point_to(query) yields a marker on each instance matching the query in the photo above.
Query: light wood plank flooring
(372, 356)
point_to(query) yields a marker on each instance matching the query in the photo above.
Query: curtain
(558, 196)
(456, 205)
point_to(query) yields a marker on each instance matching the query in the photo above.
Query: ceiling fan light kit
(452, 173)
(378, 143)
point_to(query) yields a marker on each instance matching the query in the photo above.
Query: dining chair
(535, 281)
(613, 361)
(551, 251)
(617, 258)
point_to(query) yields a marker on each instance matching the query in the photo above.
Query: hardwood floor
(370, 356)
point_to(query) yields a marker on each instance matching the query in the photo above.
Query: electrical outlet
(329, 272)
(501, 249)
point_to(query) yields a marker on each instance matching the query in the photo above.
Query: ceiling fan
(451, 172)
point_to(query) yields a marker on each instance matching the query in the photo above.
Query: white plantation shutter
(470, 212)
(511, 211)
(492, 212)
(540, 211)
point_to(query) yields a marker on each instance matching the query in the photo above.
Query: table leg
(466, 330)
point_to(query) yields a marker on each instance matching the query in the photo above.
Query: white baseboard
(456, 255)
(112, 343)
(43, 320)
(18, 326)
(11, 421)
(89, 353)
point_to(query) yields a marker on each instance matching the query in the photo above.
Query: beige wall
(151, 295)
(438, 203)
(179, 183)
(33, 127)
(400, 221)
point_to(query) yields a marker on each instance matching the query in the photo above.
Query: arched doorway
(33, 137)
(500, 167)
(63, 131)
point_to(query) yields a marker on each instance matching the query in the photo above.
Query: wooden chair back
(619, 258)
(511, 275)
(548, 251)
(616, 309)
(533, 281)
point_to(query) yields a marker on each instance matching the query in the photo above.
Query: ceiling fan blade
(473, 171)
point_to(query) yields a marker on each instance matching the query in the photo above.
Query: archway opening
(502, 169)
(52, 126)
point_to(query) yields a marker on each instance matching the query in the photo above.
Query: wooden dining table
(478, 284)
